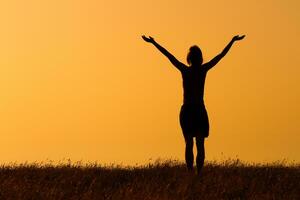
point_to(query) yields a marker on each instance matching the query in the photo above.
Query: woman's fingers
(237, 37)
(148, 39)
(242, 37)
(145, 38)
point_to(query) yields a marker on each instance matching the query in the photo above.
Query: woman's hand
(237, 37)
(149, 39)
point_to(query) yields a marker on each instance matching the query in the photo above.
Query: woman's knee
(200, 145)
(200, 141)
(189, 142)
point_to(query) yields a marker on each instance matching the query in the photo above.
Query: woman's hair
(194, 56)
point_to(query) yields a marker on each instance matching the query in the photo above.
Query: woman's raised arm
(216, 59)
(172, 58)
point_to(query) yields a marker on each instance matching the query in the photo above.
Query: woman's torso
(193, 85)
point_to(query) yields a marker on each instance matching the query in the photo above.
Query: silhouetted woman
(193, 116)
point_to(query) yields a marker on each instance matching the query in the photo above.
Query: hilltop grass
(229, 179)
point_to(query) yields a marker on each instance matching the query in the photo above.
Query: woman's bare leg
(200, 153)
(189, 156)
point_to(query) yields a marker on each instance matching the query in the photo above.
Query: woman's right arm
(216, 59)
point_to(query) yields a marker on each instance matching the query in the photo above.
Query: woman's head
(194, 56)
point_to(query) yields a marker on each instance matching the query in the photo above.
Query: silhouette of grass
(230, 179)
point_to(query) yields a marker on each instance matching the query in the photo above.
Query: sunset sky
(77, 81)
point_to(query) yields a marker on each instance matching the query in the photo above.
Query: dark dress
(193, 115)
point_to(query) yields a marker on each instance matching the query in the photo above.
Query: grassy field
(230, 179)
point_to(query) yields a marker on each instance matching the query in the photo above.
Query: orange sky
(77, 81)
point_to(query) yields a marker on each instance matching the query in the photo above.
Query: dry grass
(230, 179)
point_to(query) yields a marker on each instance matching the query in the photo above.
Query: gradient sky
(78, 82)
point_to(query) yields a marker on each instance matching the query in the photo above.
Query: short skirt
(194, 120)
